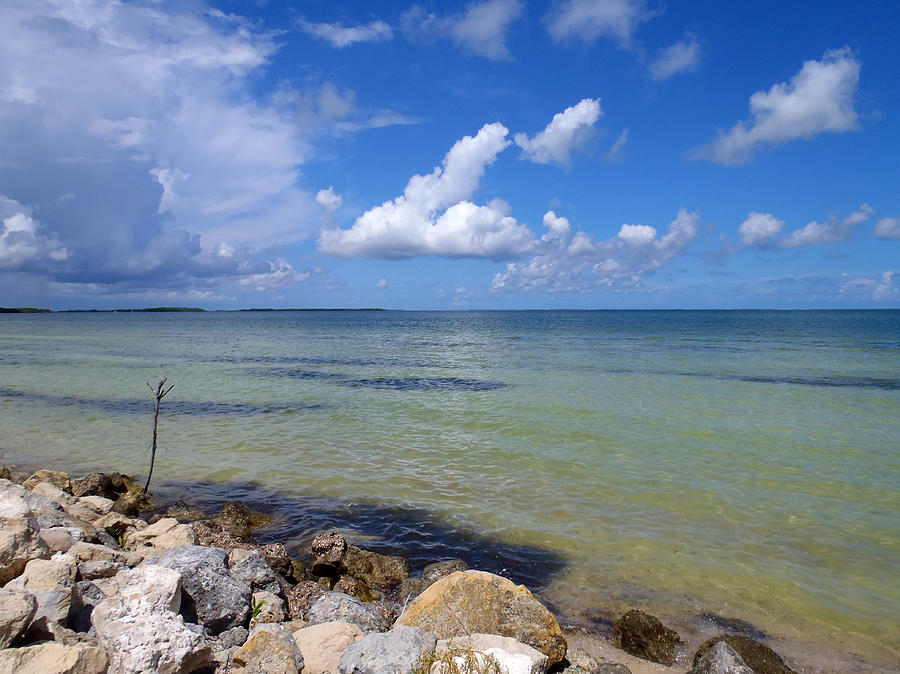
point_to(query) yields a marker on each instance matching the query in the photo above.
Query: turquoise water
(742, 464)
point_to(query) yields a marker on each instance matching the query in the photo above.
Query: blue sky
(486, 154)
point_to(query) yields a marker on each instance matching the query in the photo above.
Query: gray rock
(269, 608)
(340, 606)
(721, 659)
(270, 648)
(17, 608)
(210, 596)
(51, 582)
(233, 638)
(99, 569)
(60, 539)
(250, 566)
(436, 571)
(399, 650)
(85, 597)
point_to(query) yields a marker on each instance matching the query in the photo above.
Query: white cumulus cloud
(888, 228)
(480, 30)
(588, 20)
(434, 215)
(818, 99)
(567, 131)
(681, 57)
(339, 35)
(759, 228)
(832, 230)
(21, 240)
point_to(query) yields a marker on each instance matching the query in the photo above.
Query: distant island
(32, 310)
(23, 310)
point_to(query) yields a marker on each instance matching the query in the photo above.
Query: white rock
(91, 552)
(512, 656)
(323, 645)
(19, 540)
(54, 493)
(159, 537)
(98, 503)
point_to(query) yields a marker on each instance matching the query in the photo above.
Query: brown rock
(466, 602)
(95, 484)
(270, 648)
(210, 533)
(759, 657)
(54, 658)
(302, 597)
(355, 587)
(434, 572)
(644, 636)
(374, 569)
(54, 477)
(323, 645)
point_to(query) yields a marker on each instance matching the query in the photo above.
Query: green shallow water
(737, 463)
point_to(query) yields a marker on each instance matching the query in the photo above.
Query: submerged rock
(759, 657)
(644, 636)
(333, 557)
(466, 602)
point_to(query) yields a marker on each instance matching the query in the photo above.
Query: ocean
(720, 469)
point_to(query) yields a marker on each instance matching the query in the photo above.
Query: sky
(494, 154)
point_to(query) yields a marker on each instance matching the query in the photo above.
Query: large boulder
(721, 659)
(270, 648)
(51, 582)
(139, 627)
(211, 597)
(19, 539)
(323, 645)
(644, 636)
(469, 602)
(17, 608)
(54, 658)
(759, 657)
(339, 606)
(159, 537)
(512, 657)
(400, 650)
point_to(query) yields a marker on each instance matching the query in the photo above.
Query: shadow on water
(173, 407)
(391, 383)
(414, 533)
(827, 382)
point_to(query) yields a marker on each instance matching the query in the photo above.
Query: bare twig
(159, 392)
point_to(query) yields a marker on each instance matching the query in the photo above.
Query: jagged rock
(355, 587)
(157, 538)
(234, 638)
(86, 595)
(434, 572)
(139, 627)
(17, 608)
(60, 539)
(185, 512)
(212, 598)
(328, 550)
(54, 658)
(54, 477)
(271, 609)
(302, 598)
(91, 552)
(323, 645)
(270, 648)
(399, 650)
(250, 566)
(48, 630)
(100, 569)
(644, 636)
(19, 540)
(759, 657)
(277, 558)
(132, 502)
(339, 606)
(512, 656)
(51, 582)
(95, 484)
(721, 659)
(469, 602)
(374, 569)
(211, 533)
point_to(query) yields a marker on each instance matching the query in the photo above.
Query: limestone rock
(323, 645)
(302, 598)
(211, 597)
(19, 539)
(157, 538)
(95, 484)
(91, 552)
(339, 606)
(140, 630)
(759, 657)
(50, 491)
(469, 602)
(250, 566)
(270, 648)
(399, 650)
(60, 539)
(99, 569)
(54, 477)
(54, 658)
(721, 659)
(434, 572)
(51, 582)
(271, 609)
(17, 608)
(513, 657)
(644, 636)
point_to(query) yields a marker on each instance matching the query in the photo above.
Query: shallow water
(703, 465)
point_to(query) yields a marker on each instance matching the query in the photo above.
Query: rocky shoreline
(91, 586)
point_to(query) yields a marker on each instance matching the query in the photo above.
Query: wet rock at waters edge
(355, 587)
(328, 550)
(276, 556)
(480, 649)
(86, 595)
(333, 557)
(237, 517)
(140, 629)
(721, 659)
(95, 484)
(323, 645)
(185, 512)
(644, 636)
(466, 602)
(269, 608)
(51, 582)
(210, 532)
(407, 590)
(132, 503)
(434, 572)
(17, 608)
(759, 657)
(210, 595)
(399, 650)
(54, 658)
(302, 597)
(340, 606)
(166, 534)
(270, 648)
(582, 662)
(250, 566)
(54, 477)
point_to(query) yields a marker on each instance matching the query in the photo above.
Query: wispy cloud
(586, 21)
(480, 30)
(681, 57)
(340, 36)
